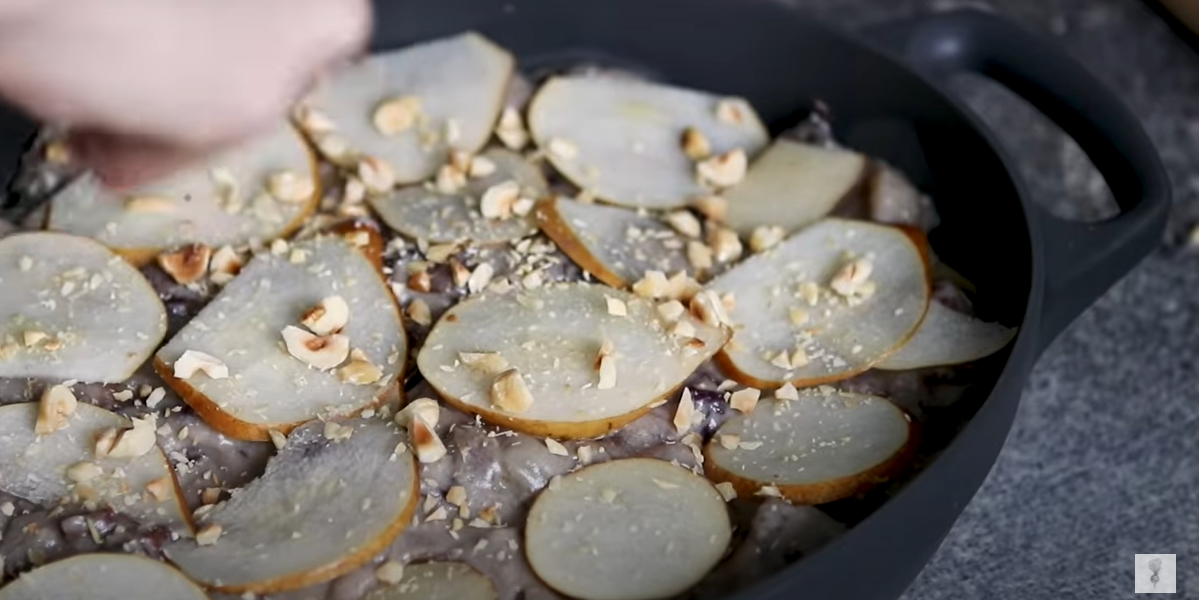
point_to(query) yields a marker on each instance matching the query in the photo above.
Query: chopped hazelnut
(481, 166)
(161, 489)
(420, 281)
(764, 238)
(511, 129)
(732, 111)
(194, 361)
(390, 572)
(799, 358)
(289, 186)
(187, 264)
(727, 491)
(321, 352)
(714, 208)
(607, 372)
(798, 316)
(509, 392)
(555, 447)
(336, 432)
(450, 179)
(329, 316)
(426, 409)
(708, 308)
(485, 362)
(725, 244)
(278, 439)
(54, 409)
(684, 414)
(699, 255)
(440, 253)
(225, 261)
(135, 441)
(852, 277)
(312, 120)
(523, 206)
(684, 222)
(729, 441)
(723, 170)
(429, 448)
(695, 144)
(653, 285)
(616, 307)
(480, 277)
(376, 175)
(83, 471)
(149, 204)
(745, 400)
(419, 312)
(396, 115)
(563, 149)
(360, 370)
(208, 535)
(782, 360)
(57, 152)
(787, 392)
(497, 202)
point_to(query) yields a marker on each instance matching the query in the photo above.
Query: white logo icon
(1155, 574)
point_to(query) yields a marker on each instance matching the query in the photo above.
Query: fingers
(125, 162)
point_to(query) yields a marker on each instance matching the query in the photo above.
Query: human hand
(148, 85)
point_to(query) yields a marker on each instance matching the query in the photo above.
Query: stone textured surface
(1104, 458)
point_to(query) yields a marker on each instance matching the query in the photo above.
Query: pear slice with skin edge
(615, 244)
(653, 529)
(791, 185)
(438, 581)
(268, 388)
(783, 303)
(626, 136)
(948, 337)
(554, 336)
(102, 577)
(461, 79)
(825, 446)
(440, 218)
(321, 509)
(36, 468)
(54, 287)
(224, 201)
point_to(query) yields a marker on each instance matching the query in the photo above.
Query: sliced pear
(225, 201)
(824, 446)
(63, 467)
(792, 185)
(321, 509)
(948, 337)
(621, 139)
(71, 309)
(268, 387)
(438, 581)
(557, 340)
(894, 199)
(632, 529)
(451, 89)
(436, 217)
(826, 304)
(615, 244)
(102, 577)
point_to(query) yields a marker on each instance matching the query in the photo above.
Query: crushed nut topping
(509, 392)
(497, 202)
(376, 175)
(81, 472)
(321, 352)
(607, 372)
(723, 170)
(390, 572)
(853, 278)
(161, 489)
(426, 409)
(729, 441)
(672, 310)
(224, 264)
(616, 307)
(787, 392)
(278, 439)
(486, 362)
(149, 204)
(563, 149)
(55, 408)
(798, 316)
(289, 186)
(396, 115)
(128, 443)
(684, 222)
(765, 237)
(419, 312)
(699, 255)
(360, 370)
(713, 208)
(480, 277)
(555, 447)
(652, 285)
(684, 414)
(187, 264)
(420, 281)
(194, 361)
(511, 129)
(209, 534)
(725, 244)
(450, 179)
(331, 315)
(336, 432)
(708, 308)
(695, 144)
(731, 111)
(312, 120)
(727, 491)
(745, 400)
(481, 166)
(429, 448)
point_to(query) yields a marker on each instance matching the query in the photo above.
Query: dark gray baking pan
(1029, 267)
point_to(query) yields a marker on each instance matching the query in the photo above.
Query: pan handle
(1081, 260)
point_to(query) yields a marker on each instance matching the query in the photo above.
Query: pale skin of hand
(147, 86)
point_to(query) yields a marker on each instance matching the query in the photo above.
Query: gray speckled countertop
(1103, 461)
